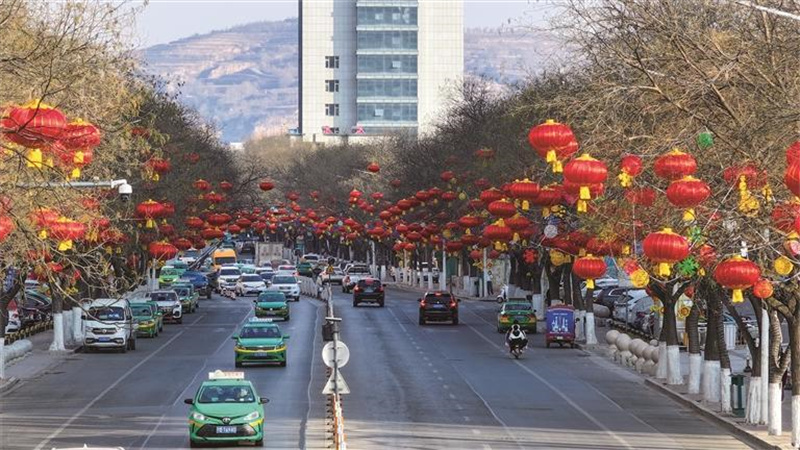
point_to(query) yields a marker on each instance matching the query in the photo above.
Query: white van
(109, 323)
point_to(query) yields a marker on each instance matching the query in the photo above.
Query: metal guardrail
(29, 331)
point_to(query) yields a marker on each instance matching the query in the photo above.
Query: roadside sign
(336, 380)
(342, 354)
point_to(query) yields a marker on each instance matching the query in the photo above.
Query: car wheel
(499, 330)
(161, 327)
(283, 363)
(455, 320)
(287, 318)
(547, 344)
(124, 348)
(259, 443)
(380, 303)
(237, 364)
(355, 303)
(421, 320)
(208, 295)
(179, 320)
(193, 444)
(133, 344)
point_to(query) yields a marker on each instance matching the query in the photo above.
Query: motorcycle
(517, 349)
(503, 296)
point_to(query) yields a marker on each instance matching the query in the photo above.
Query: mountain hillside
(245, 78)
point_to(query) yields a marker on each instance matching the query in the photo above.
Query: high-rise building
(375, 67)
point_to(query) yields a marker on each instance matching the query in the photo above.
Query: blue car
(199, 281)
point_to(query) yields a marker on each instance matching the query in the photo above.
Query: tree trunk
(775, 425)
(591, 334)
(794, 347)
(711, 368)
(695, 357)
(58, 318)
(725, 366)
(670, 330)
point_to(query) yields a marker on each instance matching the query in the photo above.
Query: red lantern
(553, 141)
(518, 222)
(201, 185)
(453, 246)
(217, 219)
(525, 190)
(498, 232)
(631, 167)
(502, 208)
(235, 229)
(404, 204)
(585, 171)
(80, 135)
(225, 185)
(491, 195)
(449, 196)
(422, 196)
(793, 153)
(792, 178)
(182, 244)
(469, 221)
(589, 268)
(6, 227)
(266, 185)
(32, 125)
(675, 165)
(166, 229)
(244, 223)
(763, 289)
(194, 222)
(373, 167)
(447, 176)
(66, 231)
(476, 255)
(162, 250)
(482, 183)
(665, 248)
(409, 246)
(395, 183)
(149, 210)
(786, 215)
(641, 196)
(687, 193)
(738, 274)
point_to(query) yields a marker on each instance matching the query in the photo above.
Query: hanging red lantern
(525, 190)
(33, 125)
(502, 208)
(453, 246)
(404, 204)
(554, 142)
(244, 223)
(792, 178)
(470, 221)
(218, 219)
(409, 246)
(225, 185)
(630, 168)
(79, 134)
(66, 231)
(235, 229)
(193, 222)
(201, 185)
(585, 171)
(589, 268)
(182, 244)
(447, 176)
(518, 222)
(396, 183)
(422, 196)
(498, 232)
(491, 195)
(763, 289)
(149, 210)
(687, 193)
(266, 185)
(476, 255)
(449, 196)
(675, 165)
(482, 183)
(6, 227)
(737, 273)
(162, 250)
(548, 198)
(373, 167)
(665, 248)
(166, 230)
(158, 166)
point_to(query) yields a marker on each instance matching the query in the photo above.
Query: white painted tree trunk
(77, 325)
(67, 314)
(674, 375)
(579, 327)
(58, 333)
(430, 281)
(752, 407)
(725, 391)
(2, 358)
(695, 372)
(775, 427)
(663, 364)
(711, 381)
(796, 421)
(591, 334)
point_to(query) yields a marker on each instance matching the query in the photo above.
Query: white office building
(376, 67)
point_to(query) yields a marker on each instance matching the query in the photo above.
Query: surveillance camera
(125, 191)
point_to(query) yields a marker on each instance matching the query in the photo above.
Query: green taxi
(305, 269)
(188, 296)
(169, 275)
(226, 410)
(272, 304)
(519, 311)
(150, 319)
(260, 341)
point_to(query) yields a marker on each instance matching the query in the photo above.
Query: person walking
(489, 289)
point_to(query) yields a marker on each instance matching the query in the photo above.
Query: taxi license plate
(104, 339)
(558, 338)
(438, 306)
(261, 354)
(226, 430)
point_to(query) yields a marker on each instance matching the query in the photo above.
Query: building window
(331, 109)
(387, 88)
(387, 64)
(387, 112)
(331, 85)
(331, 62)
(387, 40)
(387, 15)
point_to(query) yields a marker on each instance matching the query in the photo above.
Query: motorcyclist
(516, 338)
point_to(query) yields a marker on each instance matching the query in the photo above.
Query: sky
(167, 20)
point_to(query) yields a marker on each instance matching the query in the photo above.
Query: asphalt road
(413, 387)
(135, 400)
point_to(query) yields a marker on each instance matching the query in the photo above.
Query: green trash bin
(737, 394)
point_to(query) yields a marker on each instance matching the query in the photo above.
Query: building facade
(376, 67)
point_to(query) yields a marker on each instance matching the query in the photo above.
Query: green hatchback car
(272, 304)
(226, 410)
(169, 275)
(260, 341)
(519, 311)
(188, 297)
(305, 269)
(151, 321)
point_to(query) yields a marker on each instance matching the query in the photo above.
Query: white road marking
(476, 431)
(440, 378)
(446, 386)
(487, 447)
(453, 397)
(558, 392)
(316, 354)
(105, 391)
(466, 418)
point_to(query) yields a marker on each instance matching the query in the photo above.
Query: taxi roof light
(223, 375)
(260, 319)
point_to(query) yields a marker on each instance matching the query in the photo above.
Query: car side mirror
(188, 401)
(263, 400)
(286, 336)
(234, 337)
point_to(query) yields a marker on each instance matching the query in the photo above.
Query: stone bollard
(633, 348)
(638, 348)
(649, 365)
(623, 344)
(611, 340)
(655, 357)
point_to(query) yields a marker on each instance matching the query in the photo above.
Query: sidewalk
(35, 363)
(750, 434)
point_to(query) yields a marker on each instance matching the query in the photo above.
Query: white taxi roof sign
(260, 319)
(222, 375)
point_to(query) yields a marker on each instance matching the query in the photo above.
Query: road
(413, 387)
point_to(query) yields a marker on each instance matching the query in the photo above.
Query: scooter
(503, 296)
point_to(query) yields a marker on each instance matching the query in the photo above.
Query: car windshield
(143, 310)
(107, 313)
(272, 296)
(251, 278)
(260, 332)
(358, 270)
(290, 268)
(229, 272)
(267, 276)
(226, 394)
(369, 283)
(284, 280)
(164, 296)
(193, 275)
(169, 272)
(440, 298)
(182, 292)
(225, 260)
(517, 307)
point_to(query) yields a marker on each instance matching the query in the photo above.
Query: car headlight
(198, 417)
(251, 417)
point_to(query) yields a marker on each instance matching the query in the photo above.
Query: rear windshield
(369, 283)
(169, 271)
(433, 298)
(142, 310)
(358, 270)
(164, 296)
(251, 278)
(272, 296)
(229, 272)
(183, 292)
(225, 260)
(518, 307)
(284, 280)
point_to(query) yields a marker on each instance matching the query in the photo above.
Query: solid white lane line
(476, 431)
(452, 397)
(315, 355)
(558, 392)
(105, 391)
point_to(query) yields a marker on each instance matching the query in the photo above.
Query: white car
(228, 276)
(352, 275)
(625, 304)
(250, 284)
(287, 284)
(337, 277)
(189, 256)
(265, 269)
(108, 323)
(169, 304)
(310, 257)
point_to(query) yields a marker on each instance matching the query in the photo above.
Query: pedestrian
(489, 284)
(393, 273)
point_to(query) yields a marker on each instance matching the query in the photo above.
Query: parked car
(108, 323)
(305, 269)
(150, 319)
(334, 278)
(199, 281)
(187, 296)
(625, 303)
(13, 322)
(438, 306)
(369, 290)
(608, 296)
(227, 277)
(33, 307)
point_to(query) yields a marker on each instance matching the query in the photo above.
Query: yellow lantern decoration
(783, 266)
(34, 158)
(639, 278)
(558, 258)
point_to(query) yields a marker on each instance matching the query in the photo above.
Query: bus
(223, 256)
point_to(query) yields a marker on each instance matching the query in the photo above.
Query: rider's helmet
(515, 327)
